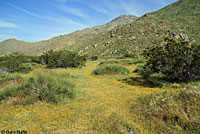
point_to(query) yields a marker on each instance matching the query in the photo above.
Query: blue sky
(35, 20)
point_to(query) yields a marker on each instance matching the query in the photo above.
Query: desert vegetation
(139, 78)
(110, 69)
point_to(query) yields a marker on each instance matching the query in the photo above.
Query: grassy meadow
(102, 104)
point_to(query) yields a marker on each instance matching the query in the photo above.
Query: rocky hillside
(180, 19)
(125, 34)
(62, 41)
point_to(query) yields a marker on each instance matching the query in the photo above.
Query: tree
(62, 59)
(12, 61)
(176, 60)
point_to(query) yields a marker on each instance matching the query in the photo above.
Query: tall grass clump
(110, 69)
(174, 111)
(46, 87)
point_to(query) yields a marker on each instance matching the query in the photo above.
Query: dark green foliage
(130, 56)
(176, 60)
(147, 79)
(110, 69)
(17, 62)
(108, 62)
(11, 62)
(171, 109)
(133, 61)
(93, 58)
(142, 70)
(24, 68)
(62, 59)
(47, 87)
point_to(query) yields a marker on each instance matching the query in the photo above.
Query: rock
(184, 37)
(95, 45)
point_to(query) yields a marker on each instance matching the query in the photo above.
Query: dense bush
(177, 60)
(145, 72)
(17, 62)
(130, 56)
(171, 109)
(110, 69)
(11, 62)
(93, 58)
(48, 87)
(62, 59)
(24, 68)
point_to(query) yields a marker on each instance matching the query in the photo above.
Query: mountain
(180, 19)
(62, 41)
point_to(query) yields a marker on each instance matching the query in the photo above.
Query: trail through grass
(102, 107)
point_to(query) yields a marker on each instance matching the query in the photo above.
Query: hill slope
(180, 19)
(59, 42)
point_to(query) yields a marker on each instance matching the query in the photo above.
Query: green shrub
(133, 61)
(110, 69)
(142, 70)
(130, 56)
(3, 72)
(17, 62)
(176, 60)
(11, 62)
(24, 68)
(12, 77)
(62, 59)
(108, 62)
(171, 109)
(93, 58)
(48, 87)
(137, 61)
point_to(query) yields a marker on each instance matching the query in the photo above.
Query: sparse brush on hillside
(110, 69)
(46, 87)
(62, 59)
(175, 112)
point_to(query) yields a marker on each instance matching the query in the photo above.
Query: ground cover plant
(110, 69)
(109, 62)
(46, 87)
(171, 112)
(133, 61)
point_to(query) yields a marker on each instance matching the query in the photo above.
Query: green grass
(110, 69)
(108, 62)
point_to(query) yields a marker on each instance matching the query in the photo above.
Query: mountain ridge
(178, 19)
(58, 41)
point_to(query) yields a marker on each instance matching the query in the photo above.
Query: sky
(36, 20)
